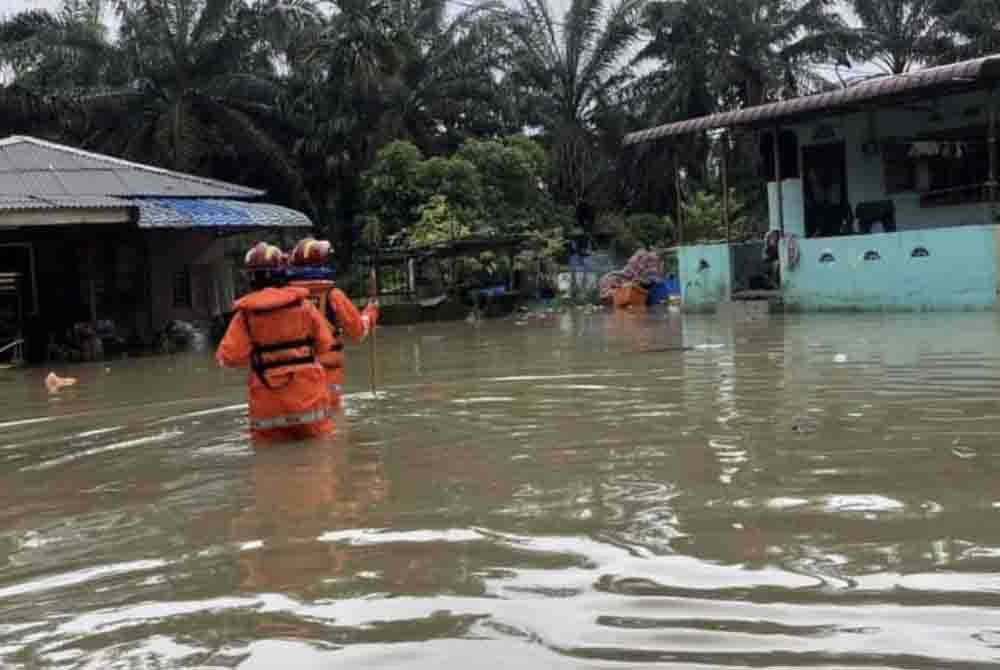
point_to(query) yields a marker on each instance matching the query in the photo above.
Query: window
(789, 146)
(182, 288)
(945, 168)
(20, 258)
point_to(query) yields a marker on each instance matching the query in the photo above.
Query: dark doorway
(824, 190)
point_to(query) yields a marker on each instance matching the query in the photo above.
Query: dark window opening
(920, 252)
(182, 288)
(946, 168)
(872, 256)
(827, 257)
(825, 200)
(789, 147)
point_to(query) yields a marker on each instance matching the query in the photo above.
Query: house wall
(200, 254)
(791, 200)
(959, 272)
(703, 288)
(865, 179)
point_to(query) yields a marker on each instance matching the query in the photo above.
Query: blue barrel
(658, 293)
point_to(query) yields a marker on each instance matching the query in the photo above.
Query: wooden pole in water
(777, 178)
(372, 295)
(992, 148)
(680, 206)
(725, 185)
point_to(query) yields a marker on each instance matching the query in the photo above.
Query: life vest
(319, 295)
(262, 356)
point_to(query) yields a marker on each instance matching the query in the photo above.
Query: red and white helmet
(263, 255)
(310, 252)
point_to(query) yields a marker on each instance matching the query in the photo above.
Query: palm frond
(619, 33)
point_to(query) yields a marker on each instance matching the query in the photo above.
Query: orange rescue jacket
(280, 335)
(346, 320)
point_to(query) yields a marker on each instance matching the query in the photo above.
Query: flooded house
(95, 249)
(881, 196)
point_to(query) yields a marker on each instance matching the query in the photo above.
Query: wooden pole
(992, 148)
(725, 185)
(372, 295)
(680, 206)
(777, 179)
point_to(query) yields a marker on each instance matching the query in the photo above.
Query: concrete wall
(959, 272)
(211, 279)
(865, 178)
(703, 288)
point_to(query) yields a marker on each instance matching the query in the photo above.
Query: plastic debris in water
(54, 382)
(840, 358)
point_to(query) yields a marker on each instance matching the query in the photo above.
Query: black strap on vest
(257, 352)
(331, 316)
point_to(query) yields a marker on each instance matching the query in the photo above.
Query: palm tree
(186, 85)
(570, 73)
(61, 52)
(897, 34)
(380, 71)
(976, 24)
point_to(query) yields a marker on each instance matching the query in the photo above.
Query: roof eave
(986, 70)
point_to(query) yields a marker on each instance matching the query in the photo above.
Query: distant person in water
(279, 334)
(310, 268)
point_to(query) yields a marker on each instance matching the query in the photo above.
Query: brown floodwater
(803, 491)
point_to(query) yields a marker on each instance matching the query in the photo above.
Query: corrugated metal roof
(91, 182)
(38, 182)
(71, 169)
(179, 213)
(214, 213)
(967, 73)
(13, 203)
(87, 202)
(16, 203)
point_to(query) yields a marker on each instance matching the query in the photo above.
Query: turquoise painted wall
(959, 272)
(703, 288)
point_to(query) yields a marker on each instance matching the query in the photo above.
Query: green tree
(570, 74)
(189, 84)
(650, 230)
(376, 72)
(440, 221)
(703, 220)
(392, 194)
(512, 173)
(898, 34)
(63, 52)
(457, 180)
(972, 25)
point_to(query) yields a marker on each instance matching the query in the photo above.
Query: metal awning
(957, 77)
(183, 213)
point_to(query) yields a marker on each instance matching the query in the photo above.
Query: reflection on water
(570, 491)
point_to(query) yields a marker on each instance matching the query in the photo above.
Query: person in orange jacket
(310, 269)
(280, 335)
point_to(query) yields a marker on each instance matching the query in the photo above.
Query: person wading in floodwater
(279, 335)
(310, 268)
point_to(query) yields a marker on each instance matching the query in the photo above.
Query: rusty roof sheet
(30, 166)
(967, 73)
